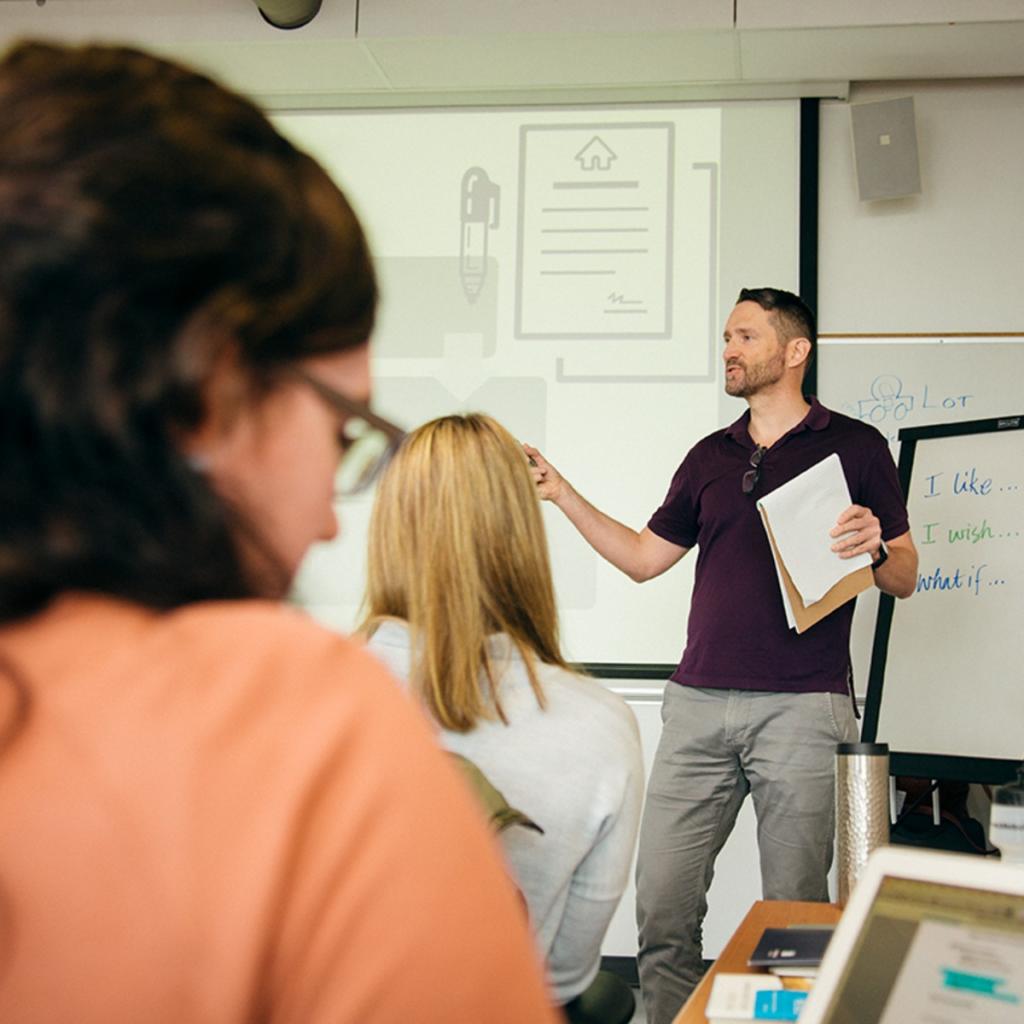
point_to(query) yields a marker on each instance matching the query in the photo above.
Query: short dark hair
(153, 224)
(790, 315)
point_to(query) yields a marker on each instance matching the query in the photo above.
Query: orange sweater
(227, 814)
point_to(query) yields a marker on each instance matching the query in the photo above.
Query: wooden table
(763, 914)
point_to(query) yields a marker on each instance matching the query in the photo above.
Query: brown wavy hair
(153, 226)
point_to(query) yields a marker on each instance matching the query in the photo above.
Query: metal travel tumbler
(862, 809)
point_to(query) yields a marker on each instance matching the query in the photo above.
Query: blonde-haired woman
(460, 603)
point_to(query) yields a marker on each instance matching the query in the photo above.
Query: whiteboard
(565, 270)
(947, 678)
(900, 382)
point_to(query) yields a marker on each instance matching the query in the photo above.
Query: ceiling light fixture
(288, 13)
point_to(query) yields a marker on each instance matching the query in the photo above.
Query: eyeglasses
(368, 441)
(753, 474)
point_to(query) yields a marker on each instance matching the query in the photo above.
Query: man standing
(753, 707)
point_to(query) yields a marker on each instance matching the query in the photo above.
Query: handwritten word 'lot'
(888, 401)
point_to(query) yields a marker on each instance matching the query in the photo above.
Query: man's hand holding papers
(857, 532)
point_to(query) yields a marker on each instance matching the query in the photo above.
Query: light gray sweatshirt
(576, 769)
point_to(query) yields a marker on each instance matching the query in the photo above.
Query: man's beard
(755, 378)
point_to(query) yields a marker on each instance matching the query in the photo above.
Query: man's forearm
(898, 574)
(612, 540)
(641, 556)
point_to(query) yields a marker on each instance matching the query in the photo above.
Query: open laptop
(927, 938)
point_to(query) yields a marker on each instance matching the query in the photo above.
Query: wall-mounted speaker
(885, 149)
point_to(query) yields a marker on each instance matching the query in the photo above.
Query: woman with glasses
(461, 604)
(211, 809)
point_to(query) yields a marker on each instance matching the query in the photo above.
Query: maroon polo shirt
(737, 637)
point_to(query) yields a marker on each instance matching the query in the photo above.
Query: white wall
(945, 261)
(948, 259)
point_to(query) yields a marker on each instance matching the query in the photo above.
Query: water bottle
(862, 809)
(1006, 824)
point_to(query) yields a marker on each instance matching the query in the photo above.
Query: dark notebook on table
(781, 948)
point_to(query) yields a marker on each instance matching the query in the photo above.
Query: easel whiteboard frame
(920, 764)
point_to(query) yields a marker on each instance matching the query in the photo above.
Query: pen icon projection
(479, 209)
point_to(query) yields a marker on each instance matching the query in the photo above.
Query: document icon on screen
(595, 230)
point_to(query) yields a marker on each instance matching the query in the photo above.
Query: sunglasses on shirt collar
(753, 474)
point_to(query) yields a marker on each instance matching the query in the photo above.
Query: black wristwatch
(883, 554)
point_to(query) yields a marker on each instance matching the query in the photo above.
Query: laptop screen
(932, 953)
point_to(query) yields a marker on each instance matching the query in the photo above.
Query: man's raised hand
(550, 484)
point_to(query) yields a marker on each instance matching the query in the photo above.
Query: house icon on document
(596, 155)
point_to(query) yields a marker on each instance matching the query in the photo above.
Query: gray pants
(716, 746)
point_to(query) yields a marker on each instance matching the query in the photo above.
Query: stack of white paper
(799, 516)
